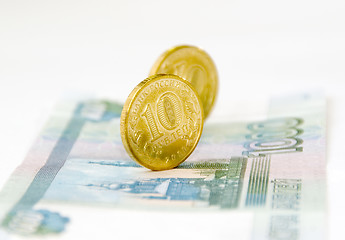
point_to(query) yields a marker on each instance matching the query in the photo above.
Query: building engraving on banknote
(222, 190)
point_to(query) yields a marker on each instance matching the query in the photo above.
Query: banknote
(273, 168)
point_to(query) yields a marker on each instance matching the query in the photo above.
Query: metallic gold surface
(194, 65)
(161, 121)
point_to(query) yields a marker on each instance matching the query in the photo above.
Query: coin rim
(170, 51)
(125, 112)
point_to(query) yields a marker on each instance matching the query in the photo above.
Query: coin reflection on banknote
(194, 65)
(161, 121)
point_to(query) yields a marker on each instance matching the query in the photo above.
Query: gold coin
(194, 65)
(161, 121)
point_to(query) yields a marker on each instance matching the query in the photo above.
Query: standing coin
(194, 65)
(161, 121)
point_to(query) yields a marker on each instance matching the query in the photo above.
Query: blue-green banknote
(273, 169)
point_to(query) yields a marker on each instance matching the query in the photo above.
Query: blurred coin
(194, 65)
(161, 121)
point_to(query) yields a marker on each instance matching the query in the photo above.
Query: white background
(104, 48)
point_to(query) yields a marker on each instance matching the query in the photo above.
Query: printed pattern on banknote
(275, 168)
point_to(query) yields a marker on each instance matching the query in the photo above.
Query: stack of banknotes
(77, 169)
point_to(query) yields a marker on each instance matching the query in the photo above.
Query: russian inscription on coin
(194, 65)
(161, 121)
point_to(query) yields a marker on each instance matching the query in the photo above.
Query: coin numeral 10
(152, 123)
(169, 115)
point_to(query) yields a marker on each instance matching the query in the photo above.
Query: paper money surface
(273, 169)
